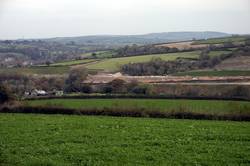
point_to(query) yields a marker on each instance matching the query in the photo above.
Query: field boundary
(120, 96)
(128, 112)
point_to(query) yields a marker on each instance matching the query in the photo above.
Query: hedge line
(133, 112)
(122, 96)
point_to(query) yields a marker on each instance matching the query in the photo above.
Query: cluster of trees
(74, 81)
(19, 84)
(119, 86)
(5, 94)
(161, 67)
(142, 50)
(158, 67)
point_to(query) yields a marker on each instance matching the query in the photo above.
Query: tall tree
(74, 81)
(5, 94)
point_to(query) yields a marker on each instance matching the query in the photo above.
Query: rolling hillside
(151, 38)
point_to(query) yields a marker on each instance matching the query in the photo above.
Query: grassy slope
(216, 73)
(79, 140)
(218, 53)
(99, 54)
(210, 106)
(73, 62)
(221, 40)
(107, 54)
(115, 63)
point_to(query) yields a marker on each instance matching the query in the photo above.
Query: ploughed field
(197, 106)
(86, 140)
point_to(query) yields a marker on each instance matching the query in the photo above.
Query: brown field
(183, 45)
(106, 78)
(235, 63)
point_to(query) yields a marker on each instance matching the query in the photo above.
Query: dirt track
(106, 78)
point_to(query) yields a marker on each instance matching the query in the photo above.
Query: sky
(60, 18)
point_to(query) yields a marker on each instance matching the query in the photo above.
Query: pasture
(215, 73)
(221, 40)
(114, 64)
(85, 140)
(218, 53)
(73, 62)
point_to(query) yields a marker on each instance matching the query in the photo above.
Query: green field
(109, 64)
(37, 70)
(206, 106)
(99, 54)
(215, 73)
(218, 53)
(73, 62)
(79, 140)
(221, 40)
(114, 64)
(89, 54)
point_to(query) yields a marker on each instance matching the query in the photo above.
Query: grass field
(109, 64)
(210, 106)
(79, 140)
(216, 73)
(218, 53)
(114, 64)
(99, 54)
(73, 62)
(221, 40)
(37, 70)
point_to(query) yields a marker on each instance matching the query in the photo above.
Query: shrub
(107, 89)
(86, 89)
(5, 94)
(74, 81)
(118, 85)
(142, 89)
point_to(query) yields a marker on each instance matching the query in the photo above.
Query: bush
(5, 94)
(118, 86)
(74, 81)
(142, 89)
(86, 89)
(107, 89)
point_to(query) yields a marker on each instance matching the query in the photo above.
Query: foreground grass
(199, 106)
(79, 140)
(114, 64)
(215, 73)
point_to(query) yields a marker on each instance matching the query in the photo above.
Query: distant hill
(151, 38)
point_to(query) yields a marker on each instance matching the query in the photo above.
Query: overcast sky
(54, 18)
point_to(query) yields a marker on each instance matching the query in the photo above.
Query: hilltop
(151, 38)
